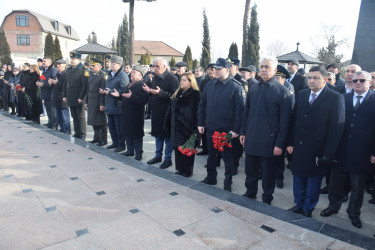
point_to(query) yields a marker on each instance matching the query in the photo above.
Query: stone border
(260, 207)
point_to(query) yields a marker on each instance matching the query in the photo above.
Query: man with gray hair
(264, 129)
(163, 85)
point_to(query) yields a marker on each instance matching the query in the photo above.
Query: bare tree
(277, 48)
(246, 17)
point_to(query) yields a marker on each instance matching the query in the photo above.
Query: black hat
(95, 61)
(173, 68)
(295, 61)
(210, 65)
(332, 65)
(249, 68)
(222, 63)
(234, 61)
(181, 64)
(108, 58)
(281, 71)
(301, 71)
(76, 55)
(61, 61)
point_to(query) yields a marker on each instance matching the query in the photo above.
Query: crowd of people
(319, 125)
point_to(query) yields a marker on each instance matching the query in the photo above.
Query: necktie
(313, 96)
(358, 102)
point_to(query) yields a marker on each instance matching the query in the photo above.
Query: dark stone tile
(173, 194)
(70, 150)
(100, 193)
(50, 209)
(348, 236)
(179, 232)
(74, 178)
(134, 211)
(41, 137)
(53, 166)
(81, 232)
(9, 141)
(216, 210)
(111, 168)
(268, 229)
(54, 142)
(29, 132)
(36, 156)
(140, 180)
(90, 158)
(27, 190)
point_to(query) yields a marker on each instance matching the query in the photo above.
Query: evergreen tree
(94, 38)
(5, 55)
(89, 39)
(233, 51)
(206, 46)
(122, 43)
(57, 52)
(147, 59)
(172, 62)
(252, 56)
(328, 54)
(195, 64)
(49, 47)
(113, 44)
(188, 58)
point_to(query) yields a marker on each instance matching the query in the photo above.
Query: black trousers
(237, 151)
(76, 113)
(134, 145)
(184, 164)
(269, 171)
(227, 156)
(100, 133)
(280, 162)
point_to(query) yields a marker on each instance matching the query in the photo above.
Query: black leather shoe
(178, 172)
(154, 160)
(102, 143)
(76, 135)
(94, 141)
(112, 146)
(267, 202)
(128, 153)
(296, 209)
(345, 199)
(356, 221)
(324, 190)
(186, 175)
(328, 212)
(119, 149)
(279, 183)
(209, 182)
(165, 164)
(250, 196)
(372, 201)
(202, 153)
(307, 214)
(138, 157)
(228, 188)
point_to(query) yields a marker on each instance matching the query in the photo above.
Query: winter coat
(57, 97)
(118, 81)
(94, 100)
(75, 84)
(50, 72)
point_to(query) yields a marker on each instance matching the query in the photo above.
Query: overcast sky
(179, 22)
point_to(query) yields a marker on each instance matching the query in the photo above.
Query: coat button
(354, 114)
(300, 142)
(305, 115)
(352, 125)
(350, 136)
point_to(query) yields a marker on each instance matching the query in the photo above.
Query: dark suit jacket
(299, 82)
(316, 130)
(358, 141)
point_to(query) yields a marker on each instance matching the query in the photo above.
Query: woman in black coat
(182, 121)
(31, 89)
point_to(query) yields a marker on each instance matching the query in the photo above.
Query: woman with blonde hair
(33, 103)
(182, 121)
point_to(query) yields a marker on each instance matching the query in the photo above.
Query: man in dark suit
(357, 149)
(297, 80)
(264, 129)
(316, 128)
(349, 73)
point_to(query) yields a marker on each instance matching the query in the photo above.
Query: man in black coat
(74, 92)
(349, 73)
(264, 129)
(133, 102)
(357, 149)
(316, 128)
(335, 70)
(62, 110)
(220, 109)
(248, 74)
(163, 85)
(297, 80)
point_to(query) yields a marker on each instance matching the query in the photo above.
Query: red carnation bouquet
(42, 77)
(221, 140)
(18, 87)
(188, 148)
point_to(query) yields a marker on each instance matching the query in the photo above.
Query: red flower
(42, 77)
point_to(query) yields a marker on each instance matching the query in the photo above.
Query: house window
(23, 40)
(22, 20)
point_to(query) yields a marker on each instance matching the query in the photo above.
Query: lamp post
(131, 27)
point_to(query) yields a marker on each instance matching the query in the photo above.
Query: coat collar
(317, 101)
(272, 81)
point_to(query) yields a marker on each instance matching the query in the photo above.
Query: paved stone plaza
(61, 193)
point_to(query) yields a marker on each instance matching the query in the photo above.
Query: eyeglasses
(361, 80)
(329, 79)
(313, 77)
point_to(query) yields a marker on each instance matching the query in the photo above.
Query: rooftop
(155, 48)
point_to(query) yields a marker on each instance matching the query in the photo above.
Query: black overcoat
(316, 130)
(358, 141)
(266, 118)
(57, 99)
(94, 100)
(133, 110)
(182, 116)
(299, 83)
(75, 84)
(168, 84)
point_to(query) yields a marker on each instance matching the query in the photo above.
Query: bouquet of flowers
(18, 87)
(221, 140)
(188, 148)
(42, 77)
